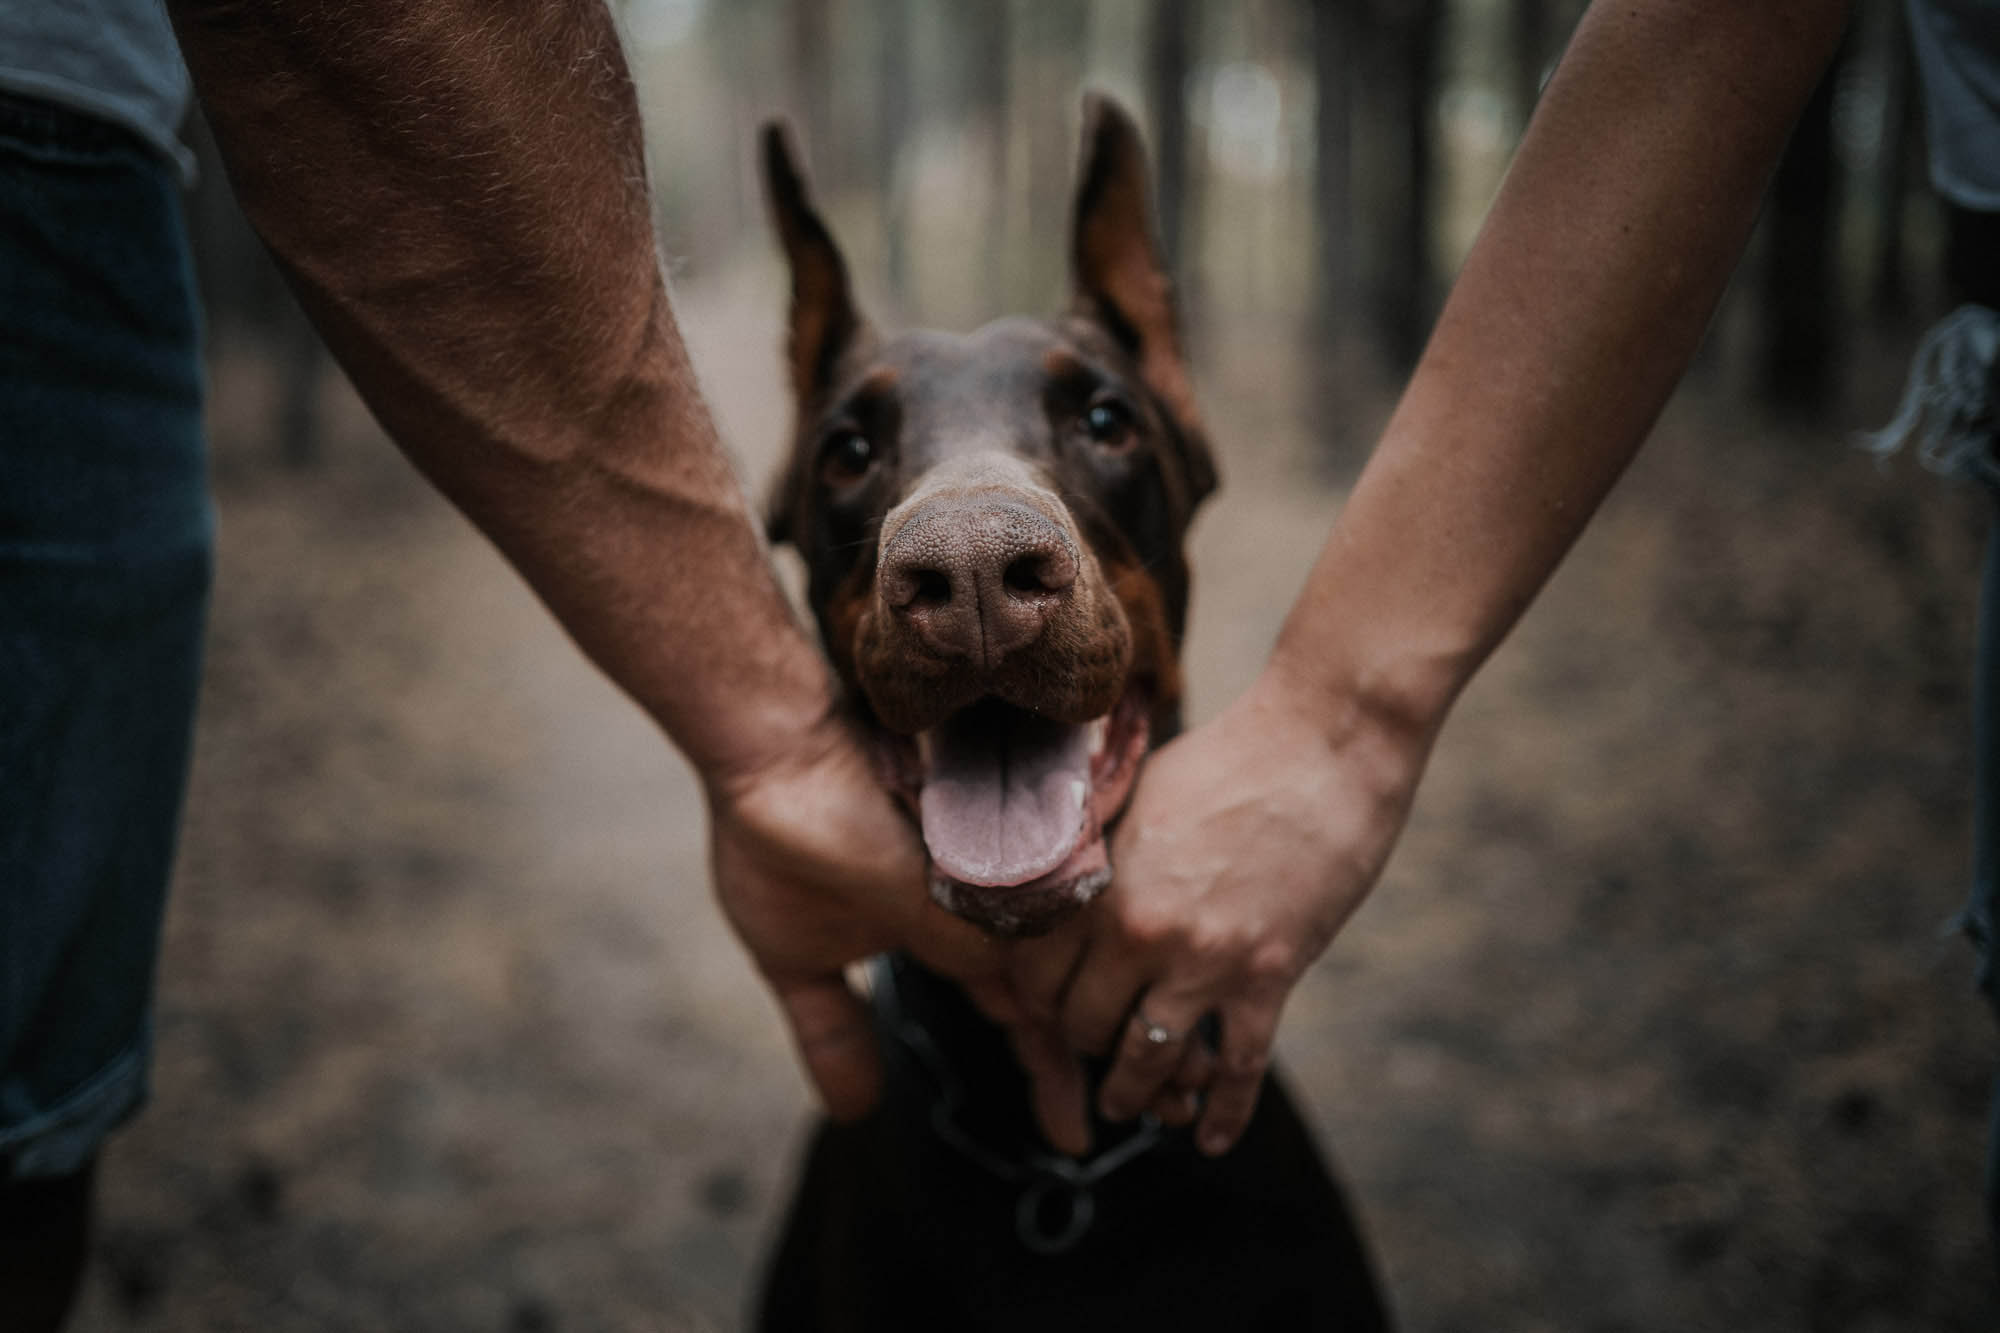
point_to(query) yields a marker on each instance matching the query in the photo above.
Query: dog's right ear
(825, 322)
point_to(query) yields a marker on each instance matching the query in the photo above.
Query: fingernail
(1113, 1110)
(1214, 1142)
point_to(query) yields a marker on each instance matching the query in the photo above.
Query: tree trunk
(1406, 61)
(812, 82)
(1799, 277)
(1531, 46)
(892, 125)
(988, 44)
(1901, 146)
(1333, 168)
(1057, 34)
(1166, 96)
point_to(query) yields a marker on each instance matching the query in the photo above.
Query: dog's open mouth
(1013, 807)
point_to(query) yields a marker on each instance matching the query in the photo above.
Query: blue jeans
(105, 554)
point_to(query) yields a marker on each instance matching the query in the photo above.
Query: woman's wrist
(1391, 701)
(1379, 740)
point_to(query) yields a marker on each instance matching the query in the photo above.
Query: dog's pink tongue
(1005, 799)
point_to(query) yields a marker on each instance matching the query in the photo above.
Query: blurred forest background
(1321, 170)
(1653, 1022)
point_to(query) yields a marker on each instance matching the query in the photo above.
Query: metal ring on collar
(1053, 1214)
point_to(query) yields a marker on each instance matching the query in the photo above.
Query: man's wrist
(791, 729)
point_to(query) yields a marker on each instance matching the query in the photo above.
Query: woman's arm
(1252, 839)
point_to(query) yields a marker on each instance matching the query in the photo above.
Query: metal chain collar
(1058, 1202)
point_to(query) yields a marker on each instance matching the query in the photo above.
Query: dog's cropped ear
(825, 321)
(1119, 279)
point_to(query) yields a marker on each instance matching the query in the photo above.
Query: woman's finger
(1156, 1038)
(1248, 1026)
(1179, 1102)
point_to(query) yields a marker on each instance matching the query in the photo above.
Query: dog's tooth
(923, 739)
(1079, 791)
(1098, 730)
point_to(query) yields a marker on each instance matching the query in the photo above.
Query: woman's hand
(1248, 843)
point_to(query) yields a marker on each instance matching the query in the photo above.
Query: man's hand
(1248, 844)
(815, 868)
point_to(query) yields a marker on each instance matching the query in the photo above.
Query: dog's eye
(846, 457)
(1108, 423)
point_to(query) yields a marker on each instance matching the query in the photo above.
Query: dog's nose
(977, 579)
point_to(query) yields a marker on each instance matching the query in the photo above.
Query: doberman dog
(992, 525)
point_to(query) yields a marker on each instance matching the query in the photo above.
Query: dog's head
(992, 524)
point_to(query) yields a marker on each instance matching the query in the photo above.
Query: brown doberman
(992, 525)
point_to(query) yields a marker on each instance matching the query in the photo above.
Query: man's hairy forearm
(457, 190)
(1577, 311)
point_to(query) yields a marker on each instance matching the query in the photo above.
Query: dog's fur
(992, 525)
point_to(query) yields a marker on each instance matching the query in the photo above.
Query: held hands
(1248, 843)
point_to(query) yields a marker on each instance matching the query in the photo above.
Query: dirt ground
(1652, 1024)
